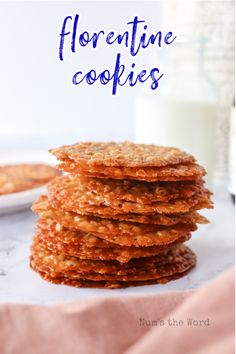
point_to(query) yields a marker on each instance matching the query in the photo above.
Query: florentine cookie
(20, 177)
(179, 172)
(113, 227)
(69, 263)
(65, 194)
(86, 223)
(56, 267)
(122, 254)
(121, 154)
(83, 283)
(136, 191)
(161, 236)
(128, 161)
(89, 246)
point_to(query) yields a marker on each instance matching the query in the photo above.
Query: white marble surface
(213, 244)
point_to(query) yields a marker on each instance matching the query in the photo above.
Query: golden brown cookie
(128, 161)
(121, 254)
(136, 191)
(188, 172)
(161, 236)
(113, 227)
(88, 246)
(85, 223)
(83, 283)
(159, 219)
(65, 194)
(20, 177)
(72, 264)
(56, 266)
(121, 154)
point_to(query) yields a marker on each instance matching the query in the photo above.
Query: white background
(39, 105)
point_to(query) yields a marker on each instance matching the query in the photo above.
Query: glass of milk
(183, 115)
(187, 125)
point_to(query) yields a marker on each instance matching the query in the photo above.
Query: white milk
(186, 124)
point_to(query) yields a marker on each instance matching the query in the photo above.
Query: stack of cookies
(120, 215)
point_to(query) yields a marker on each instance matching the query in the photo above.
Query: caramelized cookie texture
(189, 172)
(118, 223)
(20, 177)
(125, 154)
(71, 195)
(57, 267)
(88, 246)
(120, 217)
(137, 191)
(128, 161)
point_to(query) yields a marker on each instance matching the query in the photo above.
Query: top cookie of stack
(128, 161)
(130, 205)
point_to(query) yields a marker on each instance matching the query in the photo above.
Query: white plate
(11, 203)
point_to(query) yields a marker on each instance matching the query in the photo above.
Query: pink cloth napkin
(189, 322)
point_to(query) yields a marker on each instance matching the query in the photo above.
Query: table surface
(213, 244)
